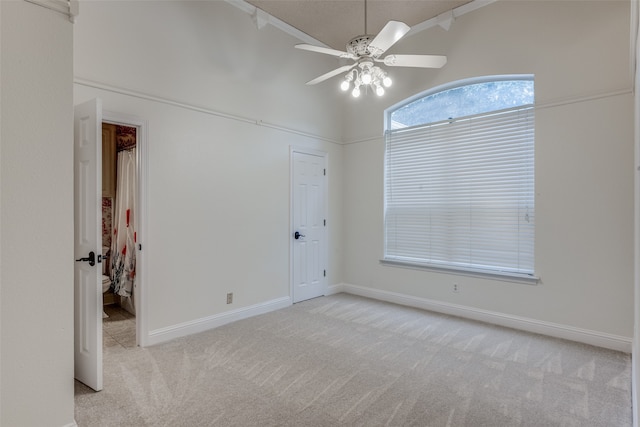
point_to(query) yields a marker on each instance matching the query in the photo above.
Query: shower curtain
(123, 250)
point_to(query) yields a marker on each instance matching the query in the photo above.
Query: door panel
(309, 212)
(88, 238)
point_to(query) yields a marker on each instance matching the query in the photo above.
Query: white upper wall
(218, 188)
(208, 54)
(36, 216)
(579, 54)
(574, 49)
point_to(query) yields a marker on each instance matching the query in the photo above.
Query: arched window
(459, 178)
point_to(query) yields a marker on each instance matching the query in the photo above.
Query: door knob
(297, 235)
(91, 259)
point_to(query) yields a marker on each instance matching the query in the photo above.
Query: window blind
(460, 194)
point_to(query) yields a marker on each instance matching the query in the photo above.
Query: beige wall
(583, 153)
(635, 40)
(218, 187)
(579, 53)
(36, 216)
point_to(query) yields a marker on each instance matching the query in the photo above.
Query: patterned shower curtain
(123, 250)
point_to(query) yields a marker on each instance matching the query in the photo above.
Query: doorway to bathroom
(121, 215)
(124, 230)
(119, 234)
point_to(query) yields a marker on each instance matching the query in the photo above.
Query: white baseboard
(635, 383)
(161, 335)
(599, 339)
(335, 289)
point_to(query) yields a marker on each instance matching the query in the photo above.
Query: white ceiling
(335, 22)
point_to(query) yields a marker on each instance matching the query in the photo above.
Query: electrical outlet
(230, 298)
(456, 288)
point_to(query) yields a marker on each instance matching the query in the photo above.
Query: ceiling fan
(366, 50)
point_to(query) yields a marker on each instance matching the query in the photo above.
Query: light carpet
(345, 360)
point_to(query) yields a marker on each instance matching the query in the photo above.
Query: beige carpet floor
(344, 360)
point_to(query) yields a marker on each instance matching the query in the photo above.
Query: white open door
(87, 148)
(309, 237)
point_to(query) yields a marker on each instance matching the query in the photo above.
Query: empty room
(346, 212)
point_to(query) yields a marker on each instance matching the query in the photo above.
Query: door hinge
(325, 273)
(325, 222)
(139, 246)
(324, 171)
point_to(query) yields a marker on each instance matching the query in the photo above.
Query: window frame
(518, 277)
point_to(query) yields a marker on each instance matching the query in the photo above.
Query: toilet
(106, 280)
(106, 284)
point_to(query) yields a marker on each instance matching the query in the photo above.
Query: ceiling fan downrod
(365, 17)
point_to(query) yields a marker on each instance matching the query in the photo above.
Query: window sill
(506, 277)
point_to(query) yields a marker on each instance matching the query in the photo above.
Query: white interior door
(308, 234)
(87, 241)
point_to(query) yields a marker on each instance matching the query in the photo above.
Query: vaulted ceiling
(335, 22)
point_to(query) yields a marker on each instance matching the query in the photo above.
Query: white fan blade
(331, 74)
(324, 50)
(421, 61)
(391, 33)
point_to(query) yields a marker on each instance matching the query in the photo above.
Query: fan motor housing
(359, 46)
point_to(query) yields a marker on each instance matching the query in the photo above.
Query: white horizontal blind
(460, 194)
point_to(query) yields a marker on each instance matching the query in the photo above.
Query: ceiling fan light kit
(366, 50)
(369, 76)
